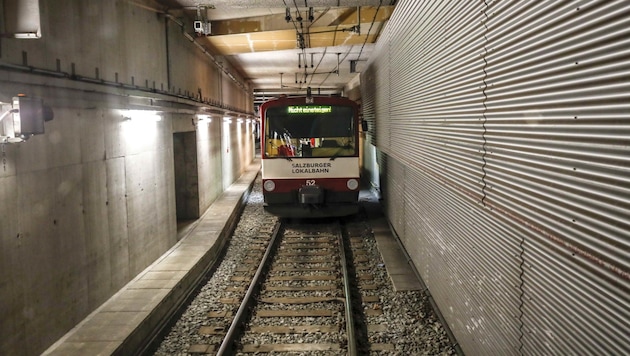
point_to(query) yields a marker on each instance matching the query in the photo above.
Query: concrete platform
(397, 264)
(123, 324)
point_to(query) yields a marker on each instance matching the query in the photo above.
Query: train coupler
(311, 194)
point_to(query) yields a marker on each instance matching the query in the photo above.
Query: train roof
(304, 96)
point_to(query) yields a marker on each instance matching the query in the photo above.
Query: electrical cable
(301, 35)
(370, 29)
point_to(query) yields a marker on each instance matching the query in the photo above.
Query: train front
(310, 156)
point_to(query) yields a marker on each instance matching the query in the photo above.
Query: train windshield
(310, 131)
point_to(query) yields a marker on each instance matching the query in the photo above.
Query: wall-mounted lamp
(204, 118)
(21, 19)
(29, 115)
(142, 115)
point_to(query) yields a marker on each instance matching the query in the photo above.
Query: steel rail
(352, 341)
(227, 345)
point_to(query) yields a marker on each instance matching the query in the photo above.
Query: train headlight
(352, 184)
(269, 185)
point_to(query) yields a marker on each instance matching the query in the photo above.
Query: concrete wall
(186, 176)
(209, 161)
(90, 203)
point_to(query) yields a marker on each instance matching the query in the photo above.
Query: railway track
(299, 301)
(298, 289)
(298, 283)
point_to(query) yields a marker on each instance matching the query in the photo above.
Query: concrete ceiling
(255, 37)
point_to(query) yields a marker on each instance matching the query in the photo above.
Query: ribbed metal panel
(435, 136)
(504, 130)
(436, 74)
(368, 100)
(382, 83)
(478, 298)
(558, 160)
(395, 194)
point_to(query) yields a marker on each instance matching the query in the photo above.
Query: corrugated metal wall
(503, 129)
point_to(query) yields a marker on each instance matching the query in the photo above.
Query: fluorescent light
(205, 118)
(147, 115)
(27, 35)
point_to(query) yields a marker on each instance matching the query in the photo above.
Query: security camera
(202, 28)
(198, 26)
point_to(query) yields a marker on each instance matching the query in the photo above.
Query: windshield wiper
(339, 152)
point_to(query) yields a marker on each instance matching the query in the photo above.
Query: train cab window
(310, 131)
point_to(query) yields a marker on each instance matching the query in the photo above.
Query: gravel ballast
(407, 320)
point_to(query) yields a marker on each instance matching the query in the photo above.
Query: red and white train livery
(310, 156)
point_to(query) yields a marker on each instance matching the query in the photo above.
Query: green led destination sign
(310, 109)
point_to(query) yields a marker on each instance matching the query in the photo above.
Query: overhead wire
(362, 46)
(320, 59)
(300, 35)
(370, 29)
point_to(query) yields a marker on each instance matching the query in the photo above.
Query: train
(310, 156)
